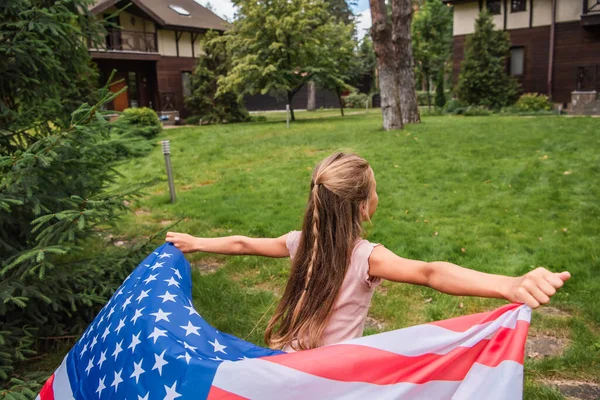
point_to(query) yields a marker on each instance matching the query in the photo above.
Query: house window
(186, 84)
(179, 10)
(132, 90)
(493, 6)
(517, 61)
(518, 5)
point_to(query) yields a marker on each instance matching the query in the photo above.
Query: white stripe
(264, 380)
(61, 385)
(433, 339)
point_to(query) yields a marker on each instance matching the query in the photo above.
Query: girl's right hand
(184, 242)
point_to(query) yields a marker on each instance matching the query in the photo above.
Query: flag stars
(126, 303)
(161, 315)
(159, 362)
(143, 398)
(191, 309)
(165, 255)
(138, 313)
(83, 350)
(188, 347)
(172, 281)
(117, 380)
(135, 340)
(168, 297)
(187, 358)
(176, 271)
(120, 326)
(102, 359)
(157, 333)
(190, 329)
(218, 346)
(106, 332)
(90, 366)
(137, 371)
(94, 342)
(150, 279)
(118, 349)
(101, 386)
(171, 392)
(156, 266)
(143, 295)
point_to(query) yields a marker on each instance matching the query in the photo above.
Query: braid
(315, 247)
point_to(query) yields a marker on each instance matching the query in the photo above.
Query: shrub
(356, 100)
(138, 122)
(483, 80)
(193, 120)
(453, 105)
(533, 102)
(476, 111)
(440, 94)
(422, 97)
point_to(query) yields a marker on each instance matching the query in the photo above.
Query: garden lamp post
(166, 149)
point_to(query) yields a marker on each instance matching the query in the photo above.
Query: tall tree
(278, 46)
(392, 44)
(483, 78)
(432, 40)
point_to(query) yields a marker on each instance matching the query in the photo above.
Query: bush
(440, 93)
(476, 111)
(193, 120)
(533, 102)
(138, 122)
(422, 97)
(356, 100)
(453, 105)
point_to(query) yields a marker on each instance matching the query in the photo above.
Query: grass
(497, 194)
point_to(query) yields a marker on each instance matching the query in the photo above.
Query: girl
(334, 271)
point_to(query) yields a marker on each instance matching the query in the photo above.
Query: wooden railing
(592, 8)
(121, 40)
(588, 78)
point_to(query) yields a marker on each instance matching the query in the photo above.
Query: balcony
(590, 17)
(119, 40)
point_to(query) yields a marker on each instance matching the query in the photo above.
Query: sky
(363, 14)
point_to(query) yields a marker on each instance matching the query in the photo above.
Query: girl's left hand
(535, 287)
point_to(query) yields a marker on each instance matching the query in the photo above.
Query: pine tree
(483, 79)
(203, 102)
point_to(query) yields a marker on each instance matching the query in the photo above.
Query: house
(555, 44)
(153, 45)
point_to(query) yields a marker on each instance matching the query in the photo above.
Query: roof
(199, 18)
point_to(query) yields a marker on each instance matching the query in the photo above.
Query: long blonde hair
(341, 185)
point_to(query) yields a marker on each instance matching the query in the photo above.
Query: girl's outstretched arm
(233, 245)
(533, 288)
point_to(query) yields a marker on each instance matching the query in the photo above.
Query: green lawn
(497, 194)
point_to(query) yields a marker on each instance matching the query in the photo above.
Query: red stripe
(461, 324)
(220, 394)
(355, 363)
(47, 392)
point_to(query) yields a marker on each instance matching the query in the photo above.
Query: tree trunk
(290, 96)
(381, 32)
(339, 96)
(402, 12)
(427, 88)
(312, 97)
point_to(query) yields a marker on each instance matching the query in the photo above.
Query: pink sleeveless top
(347, 320)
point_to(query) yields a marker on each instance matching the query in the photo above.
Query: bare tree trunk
(402, 12)
(312, 97)
(381, 32)
(290, 96)
(338, 92)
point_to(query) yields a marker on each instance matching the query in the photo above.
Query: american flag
(149, 343)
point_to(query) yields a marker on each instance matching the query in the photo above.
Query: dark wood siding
(574, 46)
(260, 102)
(170, 89)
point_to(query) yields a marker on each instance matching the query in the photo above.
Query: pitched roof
(199, 18)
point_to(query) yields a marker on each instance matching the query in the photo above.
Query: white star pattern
(190, 329)
(102, 359)
(159, 362)
(177, 272)
(218, 346)
(171, 393)
(187, 358)
(150, 279)
(121, 325)
(117, 380)
(161, 315)
(112, 310)
(138, 313)
(188, 347)
(137, 371)
(118, 349)
(101, 387)
(106, 333)
(165, 255)
(135, 340)
(143, 295)
(157, 333)
(126, 303)
(191, 309)
(168, 297)
(90, 366)
(143, 398)
(83, 351)
(172, 281)
(94, 342)
(157, 265)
